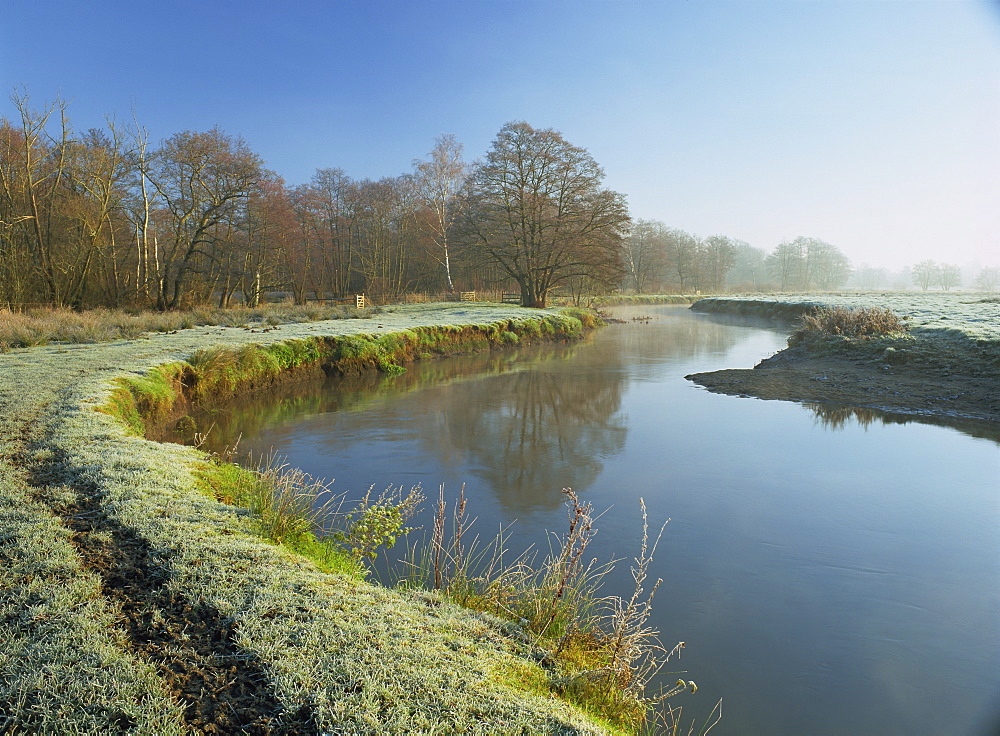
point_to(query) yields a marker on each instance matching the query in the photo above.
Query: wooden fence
(358, 300)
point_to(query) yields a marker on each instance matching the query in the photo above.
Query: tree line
(660, 259)
(104, 217)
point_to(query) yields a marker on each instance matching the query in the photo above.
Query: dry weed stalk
(633, 645)
(567, 566)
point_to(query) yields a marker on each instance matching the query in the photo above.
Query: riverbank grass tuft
(595, 651)
(853, 322)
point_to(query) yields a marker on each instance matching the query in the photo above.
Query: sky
(871, 124)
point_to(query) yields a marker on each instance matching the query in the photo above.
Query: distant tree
(536, 208)
(749, 269)
(325, 209)
(383, 226)
(949, 275)
(826, 267)
(644, 254)
(868, 277)
(786, 264)
(269, 240)
(33, 174)
(988, 279)
(438, 182)
(683, 257)
(808, 263)
(718, 256)
(925, 274)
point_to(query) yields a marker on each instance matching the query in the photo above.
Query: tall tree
(808, 263)
(826, 267)
(33, 182)
(786, 264)
(718, 256)
(949, 275)
(682, 250)
(536, 208)
(988, 279)
(748, 271)
(437, 183)
(204, 180)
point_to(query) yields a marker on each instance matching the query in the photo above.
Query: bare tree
(204, 180)
(749, 269)
(718, 256)
(988, 279)
(536, 208)
(34, 173)
(949, 275)
(925, 274)
(682, 256)
(644, 254)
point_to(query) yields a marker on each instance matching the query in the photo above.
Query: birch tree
(437, 183)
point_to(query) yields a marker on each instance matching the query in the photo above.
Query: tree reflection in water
(838, 417)
(531, 433)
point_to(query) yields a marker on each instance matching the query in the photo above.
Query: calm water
(831, 572)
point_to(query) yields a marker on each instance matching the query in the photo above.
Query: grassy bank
(137, 602)
(951, 333)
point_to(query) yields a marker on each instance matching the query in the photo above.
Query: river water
(831, 572)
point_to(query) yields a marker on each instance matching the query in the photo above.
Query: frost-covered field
(360, 658)
(973, 315)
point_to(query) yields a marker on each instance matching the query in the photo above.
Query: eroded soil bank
(794, 375)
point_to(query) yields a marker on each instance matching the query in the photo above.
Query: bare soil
(795, 375)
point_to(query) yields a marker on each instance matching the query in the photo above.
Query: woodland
(106, 218)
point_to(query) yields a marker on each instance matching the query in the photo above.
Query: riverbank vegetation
(140, 598)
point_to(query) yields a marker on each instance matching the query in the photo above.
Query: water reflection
(529, 434)
(248, 415)
(836, 417)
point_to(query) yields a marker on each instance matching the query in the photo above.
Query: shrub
(848, 322)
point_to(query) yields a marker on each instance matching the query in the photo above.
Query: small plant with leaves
(378, 521)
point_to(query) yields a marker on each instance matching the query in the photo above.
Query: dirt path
(793, 375)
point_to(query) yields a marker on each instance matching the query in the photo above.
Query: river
(831, 572)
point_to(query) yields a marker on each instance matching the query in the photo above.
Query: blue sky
(871, 124)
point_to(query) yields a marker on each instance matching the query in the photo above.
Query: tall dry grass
(292, 508)
(852, 322)
(41, 326)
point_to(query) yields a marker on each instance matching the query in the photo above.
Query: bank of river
(132, 602)
(948, 365)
